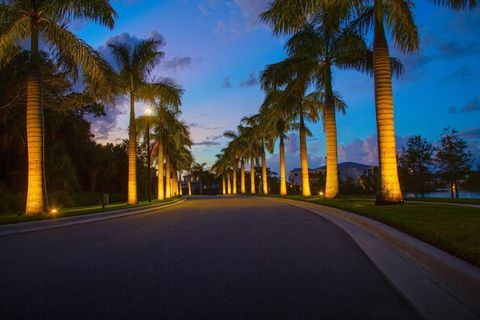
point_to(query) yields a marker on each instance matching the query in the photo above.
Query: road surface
(208, 258)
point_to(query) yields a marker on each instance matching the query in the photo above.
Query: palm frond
(164, 92)
(11, 34)
(99, 11)
(401, 23)
(145, 56)
(68, 48)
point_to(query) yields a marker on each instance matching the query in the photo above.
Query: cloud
(292, 144)
(365, 151)
(473, 105)
(457, 49)
(178, 63)
(206, 143)
(128, 39)
(209, 141)
(470, 133)
(462, 73)
(105, 127)
(472, 137)
(227, 84)
(252, 9)
(414, 65)
(234, 17)
(201, 126)
(250, 81)
(215, 137)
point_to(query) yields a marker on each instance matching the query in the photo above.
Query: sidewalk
(22, 227)
(437, 284)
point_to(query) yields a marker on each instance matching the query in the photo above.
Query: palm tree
(277, 123)
(198, 173)
(165, 124)
(287, 16)
(178, 145)
(294, 79)
(136, 63)
(238, 149)
(258, 136)
(48, 21)
(221, 167)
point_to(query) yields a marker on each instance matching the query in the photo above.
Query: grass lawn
(451, 228)
(70, 212)
(449, 200)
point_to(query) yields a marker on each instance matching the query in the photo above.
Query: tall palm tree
(297, 102)
(136, 63)
(178, 145)
(198, 172)
(397, 17)
(221, 167)
(277, 123)
(238, 149)
(164, 124)
(258, 135)
(48, 21)
(326, 42)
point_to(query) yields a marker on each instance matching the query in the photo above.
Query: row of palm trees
(171, 149)
(326, 35)
(47, 21)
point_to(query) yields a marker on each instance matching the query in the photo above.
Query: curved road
(208, 258)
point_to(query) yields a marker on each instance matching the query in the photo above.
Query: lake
(445, 193)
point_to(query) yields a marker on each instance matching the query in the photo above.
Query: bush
(11, 202)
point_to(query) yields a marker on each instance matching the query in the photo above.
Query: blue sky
(216, 48)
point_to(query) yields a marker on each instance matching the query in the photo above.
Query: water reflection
(445, 193)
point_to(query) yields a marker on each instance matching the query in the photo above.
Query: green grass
(70, 212)
(447, 200)
(451, 228)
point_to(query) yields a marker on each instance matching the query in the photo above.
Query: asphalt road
(209, 258)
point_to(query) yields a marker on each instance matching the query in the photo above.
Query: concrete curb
(457, 278)
(23, 227)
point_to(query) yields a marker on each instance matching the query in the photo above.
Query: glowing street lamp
(148, 112)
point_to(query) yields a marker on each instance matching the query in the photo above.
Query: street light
(148, 112)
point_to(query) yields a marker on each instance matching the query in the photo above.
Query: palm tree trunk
(180, 187)
(264, 171)
(161, 187)
(229, 186)
(331, 188)
(234, 182)
(331, 185)
(174, 182)
(242, 176)
(189, 185)
(132, 155)
(389, 190)
(223, 185)
(168, 189)
(304, 159)
(283, 182)
(36, 190)
(252, 175)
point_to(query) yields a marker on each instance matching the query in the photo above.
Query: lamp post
(148, 113)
